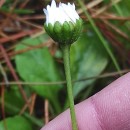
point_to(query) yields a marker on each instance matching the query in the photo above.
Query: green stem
(66, 58)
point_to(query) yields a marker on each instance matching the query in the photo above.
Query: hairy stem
(66, 58)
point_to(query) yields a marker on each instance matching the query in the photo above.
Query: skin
(109, 109)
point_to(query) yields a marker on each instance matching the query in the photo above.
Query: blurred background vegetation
(32, 82)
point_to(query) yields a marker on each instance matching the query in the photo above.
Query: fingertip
(107, 110)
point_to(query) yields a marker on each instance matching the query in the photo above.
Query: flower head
(63, 23)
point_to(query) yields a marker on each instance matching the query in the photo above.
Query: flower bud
(63, 24)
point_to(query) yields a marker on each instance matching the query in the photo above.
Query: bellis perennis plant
(63, 23)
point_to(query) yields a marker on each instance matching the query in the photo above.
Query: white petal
(69, 12)
(53, 4)
(45, 11)
(61, 13)
(73, 5)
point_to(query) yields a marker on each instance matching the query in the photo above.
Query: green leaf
(13, 97)
(29, 117)
(38, 66)
(16, 123)
(102, 39)
(88, 58)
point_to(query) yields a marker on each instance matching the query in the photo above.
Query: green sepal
(57, 27)
(57, 30)
(46, 28)
(77, 30)
(66, 29)
(50, 27)
(71, 27)
(51, 31)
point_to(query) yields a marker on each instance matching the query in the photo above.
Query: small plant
(63, 24)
